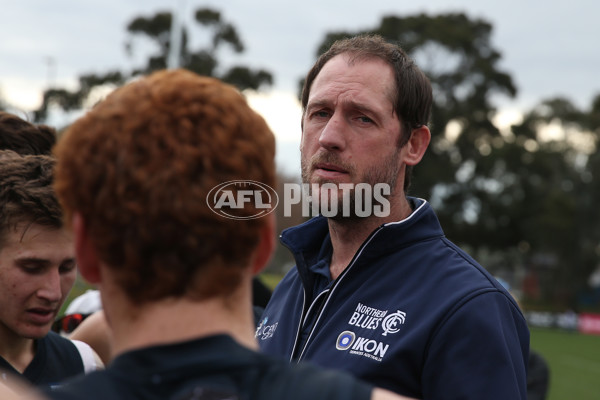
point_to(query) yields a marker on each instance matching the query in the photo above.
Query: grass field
(574, 361)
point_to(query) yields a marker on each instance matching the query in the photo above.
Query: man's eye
(320, 114)
(365, 120)
(67, 267)
(32, 269)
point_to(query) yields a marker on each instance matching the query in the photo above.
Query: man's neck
(348, 235)
(18, 351)
(171, 321)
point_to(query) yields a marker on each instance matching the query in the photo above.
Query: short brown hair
(138, 168)
(412, 95)
(23, 137)
(26, 193)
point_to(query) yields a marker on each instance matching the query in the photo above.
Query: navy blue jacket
(411, 313)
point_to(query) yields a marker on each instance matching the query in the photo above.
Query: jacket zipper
(324, 305)
(303, 319)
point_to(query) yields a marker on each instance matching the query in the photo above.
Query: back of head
(24, 137)
(138, 168)
(26, 193)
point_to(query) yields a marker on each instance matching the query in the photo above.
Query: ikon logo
(225, 198)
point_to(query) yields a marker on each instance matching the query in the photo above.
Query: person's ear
(417, 145)
(266, 245)
(85, 253)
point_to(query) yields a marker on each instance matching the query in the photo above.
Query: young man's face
(37, 271)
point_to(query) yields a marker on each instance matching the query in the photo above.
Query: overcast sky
(549, 48)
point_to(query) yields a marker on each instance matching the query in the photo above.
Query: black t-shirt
(55, 360)
(212, 368)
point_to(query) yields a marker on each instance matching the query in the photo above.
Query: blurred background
(513, 168)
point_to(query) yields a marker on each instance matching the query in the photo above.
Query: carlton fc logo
(370, 318)
(391, 323)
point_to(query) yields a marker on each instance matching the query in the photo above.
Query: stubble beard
(386, 171)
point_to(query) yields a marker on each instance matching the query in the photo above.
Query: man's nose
(50, 288)
(332, 136)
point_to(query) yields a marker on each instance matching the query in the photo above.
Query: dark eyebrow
(362, 107)
(42, 262)
(318, 104)
(32, 262)
(351, 103)
(36, 260)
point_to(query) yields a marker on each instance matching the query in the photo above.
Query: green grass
(574, 361)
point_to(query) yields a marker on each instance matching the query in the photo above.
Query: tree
(157, 29)
(558, 212)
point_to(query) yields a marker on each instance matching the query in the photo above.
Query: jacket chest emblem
(264, 331)
(392, 322)
(370, 318)
(366, 319)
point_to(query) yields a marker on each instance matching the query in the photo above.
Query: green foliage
(203, 61)
(156, 29)
(73, 100)
(574, 361)
(242, 76)
(559, 212)
(206, 16)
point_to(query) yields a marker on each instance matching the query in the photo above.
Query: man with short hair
(385, 295)
(134, 175)
(24, 137)
(37, 271)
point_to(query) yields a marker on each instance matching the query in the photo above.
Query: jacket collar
(306, 241)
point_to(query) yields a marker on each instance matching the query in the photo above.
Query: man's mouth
(330, 168)
(329, 172)
(41, 311)
(42, 315)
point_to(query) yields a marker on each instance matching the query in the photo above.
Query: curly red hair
(138, 168)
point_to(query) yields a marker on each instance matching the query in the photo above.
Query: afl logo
(225, 198)
(345, 340)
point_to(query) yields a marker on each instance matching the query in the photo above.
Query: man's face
(37, 271)
(350, 129)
